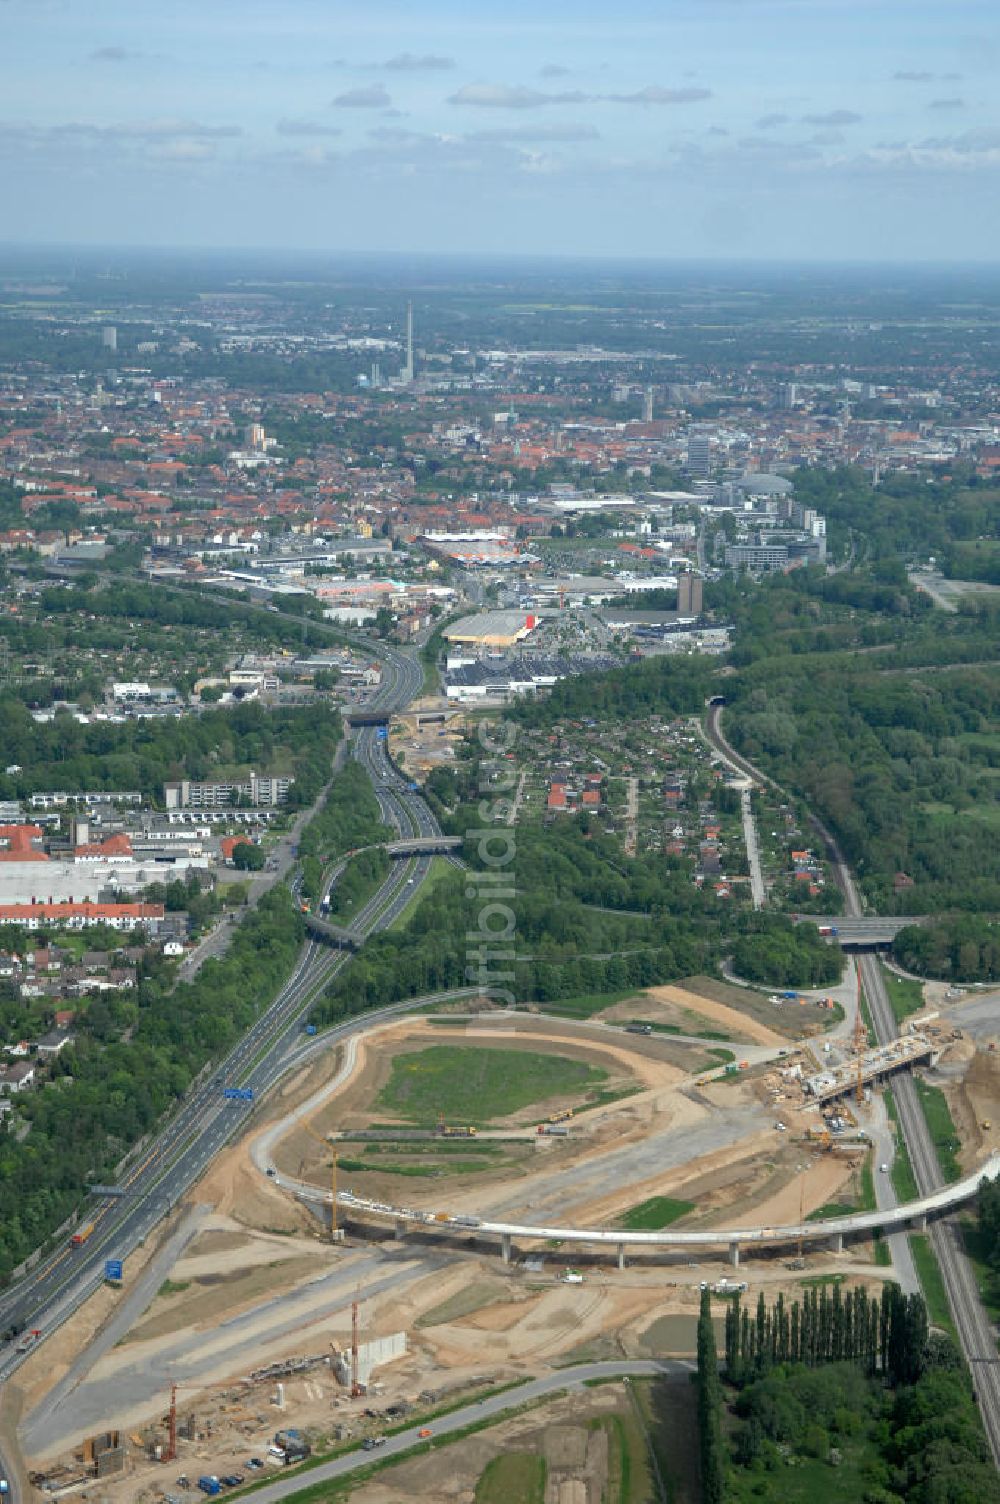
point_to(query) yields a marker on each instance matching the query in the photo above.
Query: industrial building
(492, 629)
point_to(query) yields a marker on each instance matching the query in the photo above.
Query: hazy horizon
(862, 131)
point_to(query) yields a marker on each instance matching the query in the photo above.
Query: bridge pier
(621, 1255)
(837, 1242)
(920, 1223)
(398, 1230)
(505, 1247)
(734, 1255)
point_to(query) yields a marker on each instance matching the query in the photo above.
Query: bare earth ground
(262, 1282)
(561, 1431)
(701, 1009)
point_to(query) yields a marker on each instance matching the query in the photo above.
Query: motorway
(492, 1406)
(975, 1331)
(204, 1122)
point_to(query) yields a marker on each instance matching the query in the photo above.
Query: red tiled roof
(19, 847)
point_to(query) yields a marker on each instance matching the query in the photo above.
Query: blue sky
(773, 129)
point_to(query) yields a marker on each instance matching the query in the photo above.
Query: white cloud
(655, 94)
(367, 97)
(947, 104)
(411, 62)
(116, 55)
(833, 117)
(768, 122)
(510, 97)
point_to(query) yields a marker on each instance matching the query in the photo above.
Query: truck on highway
(828, 929)
(81, 1235)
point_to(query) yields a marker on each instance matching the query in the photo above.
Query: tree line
(109, 1092)
(850, 1381)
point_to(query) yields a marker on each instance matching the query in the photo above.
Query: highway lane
(975, 1331)
(493, 1406)
(204, 1122)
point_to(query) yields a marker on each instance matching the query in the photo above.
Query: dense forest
(142, 755)
(851, 1390)
(586, 921)
(349, 816)
(774, 952)
(961, 948)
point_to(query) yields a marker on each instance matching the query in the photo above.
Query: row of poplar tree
(887, 1335)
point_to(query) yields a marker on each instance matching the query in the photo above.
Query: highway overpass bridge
(368, 718)
(424, 845)
(912, 1215)
(874, 933)
(333, 934)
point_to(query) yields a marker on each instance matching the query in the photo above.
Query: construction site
(259, 1329)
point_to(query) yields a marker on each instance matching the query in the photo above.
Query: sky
(855, 130)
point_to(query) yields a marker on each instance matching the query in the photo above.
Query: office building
(699, 453)
(690, 591)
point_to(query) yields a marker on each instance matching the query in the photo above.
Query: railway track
(976, 1333)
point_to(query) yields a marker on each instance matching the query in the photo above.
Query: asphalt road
(488, 1408)
(204, 1122)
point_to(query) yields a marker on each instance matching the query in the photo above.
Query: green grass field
(438, 870)
(905, 996)
(832, 1209)
(942, 1128)
(929, 1274)
(978, 1254)
(514, 1478)
(657, 1212)
(474, 1086)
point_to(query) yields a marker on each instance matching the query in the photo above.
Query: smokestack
(408, 368)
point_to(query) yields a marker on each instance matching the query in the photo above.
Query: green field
(929, 1274)
(437, 872)
(942, 1128)
(474, 1086)
(513, 1478)
(629, 1480)
(657, 1212)
(905, 996)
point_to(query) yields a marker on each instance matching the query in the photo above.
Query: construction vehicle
(987, 1124)
(560, 1117)
(209, 1484)
(638, 1028)
(460, 1131)
(81, 1235)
